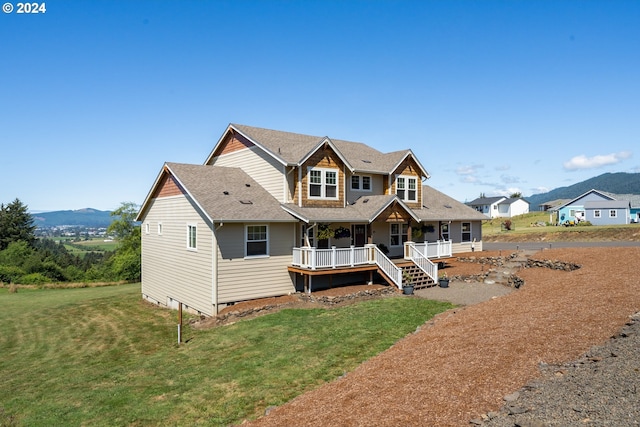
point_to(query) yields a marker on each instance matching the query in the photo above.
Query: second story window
(323, 184)
(361, 182)
(191, 237)
(407, 188)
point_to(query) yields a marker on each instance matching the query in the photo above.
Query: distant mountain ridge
(87, 217)
(617, 182)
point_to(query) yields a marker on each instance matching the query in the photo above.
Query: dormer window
(361, 182)
(406, 188)
(323, 183)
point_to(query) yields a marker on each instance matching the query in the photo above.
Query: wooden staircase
(420, 279)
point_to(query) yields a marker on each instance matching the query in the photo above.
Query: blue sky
(493, 97)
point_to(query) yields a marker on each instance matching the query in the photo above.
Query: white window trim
(462, 232)
(400, 234)
(147, 228)
(597, 213)
(159, 229)
(189, 247)
(613, 213)
(323, 183)
(361, 182)
(246, 233)
(406, 189)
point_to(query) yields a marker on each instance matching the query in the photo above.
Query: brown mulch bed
(462, 363)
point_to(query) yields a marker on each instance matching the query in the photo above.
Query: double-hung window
(399, 234)
(613, 213)
(466, 231)
(192, 232)
(257, 240)
(596, 213)
(323, 183)
(407, 188)
(361, 182)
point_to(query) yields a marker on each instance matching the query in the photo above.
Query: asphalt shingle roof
(228, 194)
(366, 208)
(292, 147)
(438, 206)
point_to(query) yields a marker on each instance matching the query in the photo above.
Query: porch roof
(365, 209)
(438, 206)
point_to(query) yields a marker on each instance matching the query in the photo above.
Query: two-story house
(271, 213)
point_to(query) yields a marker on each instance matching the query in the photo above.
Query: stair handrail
(387, 266)
(418, 258)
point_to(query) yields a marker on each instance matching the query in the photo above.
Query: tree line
(25, 259)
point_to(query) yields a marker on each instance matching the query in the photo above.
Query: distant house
(271, 213)
(500, 207)
(600, 208)
(552, 205)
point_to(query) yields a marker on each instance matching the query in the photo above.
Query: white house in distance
(500, 206)
(271, 213)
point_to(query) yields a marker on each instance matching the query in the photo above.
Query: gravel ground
(459, 366)
(601, 388)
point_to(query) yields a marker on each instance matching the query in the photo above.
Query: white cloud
(584, 162)
(540, 190)
(503, 168)
(507, 179)
(468, 170)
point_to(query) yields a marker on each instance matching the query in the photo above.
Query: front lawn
(100, 356)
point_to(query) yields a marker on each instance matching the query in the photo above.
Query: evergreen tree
(16, 224)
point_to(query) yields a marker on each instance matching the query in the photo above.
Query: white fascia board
(295, 214)
(254, 142)
(204, 212)
(326, 140)
(410, 153)
(148, 198)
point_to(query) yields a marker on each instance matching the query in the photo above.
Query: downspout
(214, 267)
(300, 186)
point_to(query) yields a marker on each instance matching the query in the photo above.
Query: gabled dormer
(405, 180)
(321, 177)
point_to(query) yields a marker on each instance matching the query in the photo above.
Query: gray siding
(262, 168)
(241, 278)
(169, 269)
(377, 187)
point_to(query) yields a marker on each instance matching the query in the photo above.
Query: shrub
(10, 274)
(34, 279)
(584, 223)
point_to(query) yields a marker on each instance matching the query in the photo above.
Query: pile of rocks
(331, 300)
(552, 264)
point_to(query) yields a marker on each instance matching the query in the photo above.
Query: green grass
(100, 356)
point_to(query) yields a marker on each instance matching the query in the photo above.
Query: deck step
(420, 278)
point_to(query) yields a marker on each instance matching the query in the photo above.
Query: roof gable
(593, 192)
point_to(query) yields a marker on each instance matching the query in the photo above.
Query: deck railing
(439, 249)
(391, 270)
(418, 258)
(313, 259)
